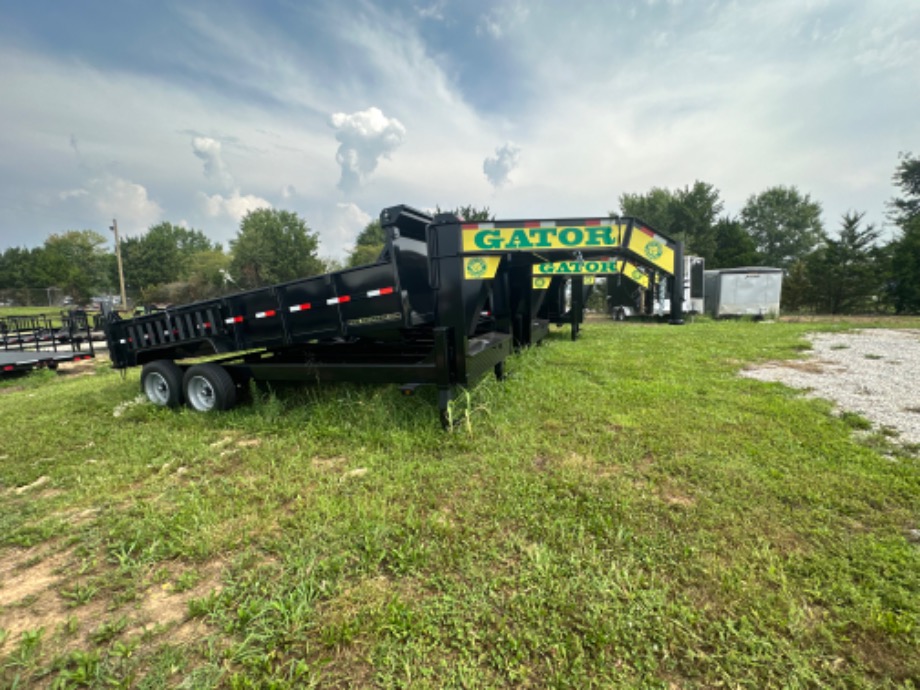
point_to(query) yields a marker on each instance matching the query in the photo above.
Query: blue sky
(197, 112)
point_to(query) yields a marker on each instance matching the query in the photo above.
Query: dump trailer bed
(380, 323)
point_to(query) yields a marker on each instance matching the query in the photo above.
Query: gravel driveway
(875, 373)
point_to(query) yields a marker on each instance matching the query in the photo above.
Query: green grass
(623, 511)
(53, 312)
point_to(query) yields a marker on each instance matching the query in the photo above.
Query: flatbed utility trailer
(34, 342)
(445, 304)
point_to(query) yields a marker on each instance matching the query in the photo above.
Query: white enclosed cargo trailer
(747, 291)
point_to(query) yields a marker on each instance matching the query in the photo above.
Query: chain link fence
(54, 298)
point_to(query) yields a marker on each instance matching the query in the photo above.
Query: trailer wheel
(209, 387)
(161, 382)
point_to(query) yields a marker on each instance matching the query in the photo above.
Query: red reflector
(386, 291)
(344, 299)
(207, 324)
(592, 222)
(532, 224)
(470, 226)
(9, 367)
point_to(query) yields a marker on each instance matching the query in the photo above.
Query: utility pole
(121, 272)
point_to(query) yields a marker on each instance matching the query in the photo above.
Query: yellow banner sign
(631, 271)
(488, 239)
(652, 248)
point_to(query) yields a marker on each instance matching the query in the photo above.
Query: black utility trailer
(445, 304)
(35, 342)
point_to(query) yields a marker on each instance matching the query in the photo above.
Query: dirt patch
(329, 464)
(86, 367)
(29, 598)
(163, 605)
(11, 389)
(27, 572)
(31, 581)
(673, 497)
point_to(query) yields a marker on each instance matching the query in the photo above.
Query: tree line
(169, 263)
(846, 270)
(842, 271)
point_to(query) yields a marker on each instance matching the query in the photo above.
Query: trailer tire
(161, 382)
(209, 387)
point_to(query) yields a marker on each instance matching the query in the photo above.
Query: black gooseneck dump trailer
(445, 304)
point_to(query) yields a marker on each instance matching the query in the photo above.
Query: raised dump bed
(444, 305)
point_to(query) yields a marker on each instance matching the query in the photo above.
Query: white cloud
(364, 138)
(434, 10)
(340, 227)
(498, 22)
(498, 167)
(110, 196)
(209, 151)
(233, 206)
(489, 25)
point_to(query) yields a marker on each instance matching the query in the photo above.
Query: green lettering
(519, 240)
(564, 267)
(488, 239)
(543, 235)
(545, 268)
(600, 236)
(593, 267)
(572, 237)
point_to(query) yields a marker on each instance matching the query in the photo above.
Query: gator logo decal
(481, 267)
(654, 250)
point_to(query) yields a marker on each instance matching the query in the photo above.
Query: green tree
(368, 245)
(75, 261)
(654, 207)
(273, 246)
(18, 268)
(907, 177)
(163, 254)
(904, 250)
(733, 246)
(689, 215)
(844, 272)
(784, 224)
(471, 213)
(905, 268)
(798, 292)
